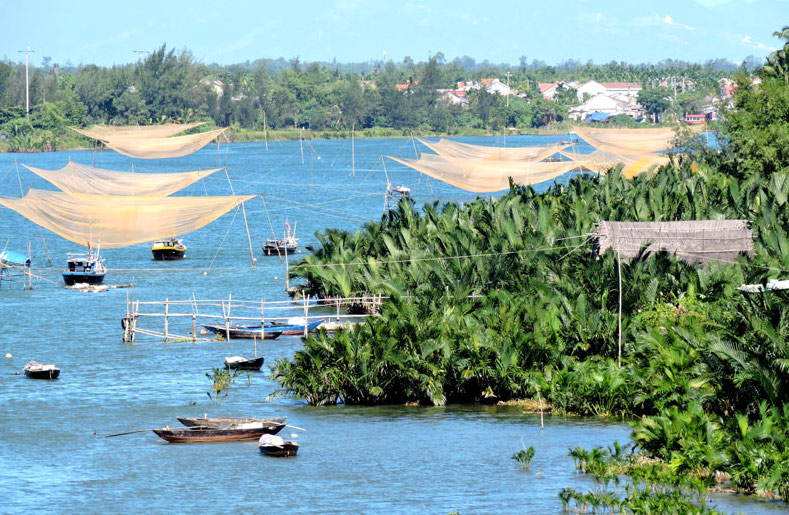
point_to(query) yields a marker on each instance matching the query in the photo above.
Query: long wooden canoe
(206, 435)
(231, 422)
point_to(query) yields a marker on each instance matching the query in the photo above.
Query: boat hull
(247, 333)
(216, 435)
(72, 278)
(280, 451)
(250, 364)
(167, 254)
(43, 374)
(290, 330)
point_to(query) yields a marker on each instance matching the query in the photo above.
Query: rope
(224, 237)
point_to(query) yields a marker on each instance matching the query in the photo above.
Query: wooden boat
(170, 249)
(280, 246)
(275, 446)
(84, 268)
(36, 370)
(241, 363)
(208, 435)
(291, 329)
(229, 422)
(245, 331)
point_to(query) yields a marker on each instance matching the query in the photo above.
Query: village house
(607, 105)
(550, 89)
(621, 90)
(453, 97)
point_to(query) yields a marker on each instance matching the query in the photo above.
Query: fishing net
(455, 150)
(628, 142)
(162, 148)
(119, 221)
(79, 178)
(485, 176)
(107, 132)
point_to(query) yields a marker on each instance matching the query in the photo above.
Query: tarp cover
(107, 132)
(119, 221)
(79, 178)
(162, 148)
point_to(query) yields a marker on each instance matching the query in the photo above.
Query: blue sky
(234, 31)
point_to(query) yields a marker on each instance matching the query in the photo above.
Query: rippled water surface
(387, 459)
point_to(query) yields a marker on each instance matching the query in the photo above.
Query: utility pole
(508, 89)
(140, 52)
(27, 80)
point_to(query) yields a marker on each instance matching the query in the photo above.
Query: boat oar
(128, 432)
(295, 427)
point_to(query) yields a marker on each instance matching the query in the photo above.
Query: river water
(352, 459)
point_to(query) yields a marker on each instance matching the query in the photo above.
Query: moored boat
(296, 328)
(242, 363)
(280, 246)
(208, 435)
(84, 268)
(245, 331)
(271, 445)
(169, 249)
(36, 370)
(274, 424)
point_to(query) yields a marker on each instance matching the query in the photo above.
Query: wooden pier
(181, 320)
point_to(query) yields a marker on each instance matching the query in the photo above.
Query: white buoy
(8, 355)
(276, 278)
(205, 273)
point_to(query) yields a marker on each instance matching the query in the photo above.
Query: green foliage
(221, 379)
(524, 457)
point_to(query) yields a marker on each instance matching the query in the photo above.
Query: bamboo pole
(166, 311)
(619, 267)
(262, 321)
(306, 315)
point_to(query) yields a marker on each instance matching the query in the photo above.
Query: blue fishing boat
(291, 328)
(245, 331)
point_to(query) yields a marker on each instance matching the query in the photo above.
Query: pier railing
(182, 319)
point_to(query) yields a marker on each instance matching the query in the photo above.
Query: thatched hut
(694, 241)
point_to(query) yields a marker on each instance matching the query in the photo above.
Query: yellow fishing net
(115, 221)
(161, 148)
(455, 150)
(629, 142)
(484, 176)
(79, 178)
(107, 132)
(601, 162)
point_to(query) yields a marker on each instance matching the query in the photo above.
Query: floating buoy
(275, 277)
(8, 355)
(254, 260)
(205, 273)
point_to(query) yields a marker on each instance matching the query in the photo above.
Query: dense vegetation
(502, 299)
(325, 98)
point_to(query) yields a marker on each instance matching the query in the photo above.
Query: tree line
(173, 86)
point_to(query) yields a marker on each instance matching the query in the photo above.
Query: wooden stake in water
(166, 311)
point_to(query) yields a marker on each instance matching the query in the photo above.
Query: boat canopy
(79, 178)
(119, 221)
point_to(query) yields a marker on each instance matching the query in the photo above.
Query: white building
(602, 103)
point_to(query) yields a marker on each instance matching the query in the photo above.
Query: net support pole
(246, 224)
(619, 268)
